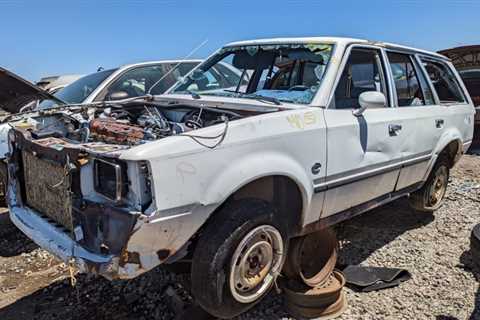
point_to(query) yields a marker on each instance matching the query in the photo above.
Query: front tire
(431, 196)
(238, 257)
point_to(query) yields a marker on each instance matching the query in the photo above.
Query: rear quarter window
(444, 82)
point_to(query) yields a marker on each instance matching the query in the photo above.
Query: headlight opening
(108, 179)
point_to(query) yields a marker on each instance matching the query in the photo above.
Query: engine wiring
(220, 136)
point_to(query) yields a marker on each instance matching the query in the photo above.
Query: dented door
(363, 152)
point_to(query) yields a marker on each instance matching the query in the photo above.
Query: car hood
(16, 92)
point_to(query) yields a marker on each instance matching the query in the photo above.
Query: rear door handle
(394, 129)
(439, 123)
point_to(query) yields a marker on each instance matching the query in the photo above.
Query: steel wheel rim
(255, 264)
(439, 187)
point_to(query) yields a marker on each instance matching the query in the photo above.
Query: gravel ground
(435, 249)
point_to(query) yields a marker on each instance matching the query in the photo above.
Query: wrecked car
(224, 170)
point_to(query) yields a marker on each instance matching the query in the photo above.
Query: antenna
(178, 64)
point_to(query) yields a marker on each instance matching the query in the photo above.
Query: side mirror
(118, 95)
(370, 99)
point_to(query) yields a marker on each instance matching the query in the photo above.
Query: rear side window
(411, 90)
(444, 82)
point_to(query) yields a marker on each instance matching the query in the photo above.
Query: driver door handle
(394, 129)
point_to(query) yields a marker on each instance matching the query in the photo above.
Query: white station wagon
(224, 169)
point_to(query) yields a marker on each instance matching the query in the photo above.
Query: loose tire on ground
(431, 195)
(322, 302)
(237, 257)
(312, 258)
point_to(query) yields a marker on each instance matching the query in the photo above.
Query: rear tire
(237, 258)
(431, 195)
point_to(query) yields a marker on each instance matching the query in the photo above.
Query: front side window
(362, 73)
(406, 80)
(285, 72)
(444, 82)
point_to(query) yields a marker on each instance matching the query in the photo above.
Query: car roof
(334, 40)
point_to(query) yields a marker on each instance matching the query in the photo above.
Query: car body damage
(134, 183)
(68, 164)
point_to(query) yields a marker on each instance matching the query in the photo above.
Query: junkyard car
(225, 170)
(127, 81)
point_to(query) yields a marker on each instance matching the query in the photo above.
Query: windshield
(79, 90)
(289, 73)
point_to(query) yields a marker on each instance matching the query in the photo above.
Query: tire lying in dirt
(431, 195)
(327, 300)
(238, 257)
(312, 258)
(475, 244)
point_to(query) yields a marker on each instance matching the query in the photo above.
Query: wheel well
(450, 152)
(282, 192)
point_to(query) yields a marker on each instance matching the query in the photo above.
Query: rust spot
(130, 257)
(163, 254)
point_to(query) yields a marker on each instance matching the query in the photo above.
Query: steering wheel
(298, 88)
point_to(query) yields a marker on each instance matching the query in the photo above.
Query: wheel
(430, 197)
(237, 258)
(312, 258)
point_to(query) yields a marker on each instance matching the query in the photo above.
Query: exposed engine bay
(123, 125)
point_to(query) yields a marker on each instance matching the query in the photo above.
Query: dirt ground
(435, 249)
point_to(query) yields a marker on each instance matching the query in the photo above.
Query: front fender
(254, 166)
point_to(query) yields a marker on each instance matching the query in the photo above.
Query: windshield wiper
(254, 96)
(262, 98)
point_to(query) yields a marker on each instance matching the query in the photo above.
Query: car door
(363, 152)
(423, 119)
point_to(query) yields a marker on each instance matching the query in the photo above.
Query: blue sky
(40, 38)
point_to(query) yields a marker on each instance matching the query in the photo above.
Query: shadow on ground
(146, 297)
(467, 263)
(363, 235)
(12, 241)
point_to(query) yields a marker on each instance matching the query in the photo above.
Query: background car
(466, 60)
(53, 84)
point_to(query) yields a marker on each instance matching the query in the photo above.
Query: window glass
(444, 82)
(284, 72)
(138, 81)
(362, 73)
(407, 84)
(79, 90)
